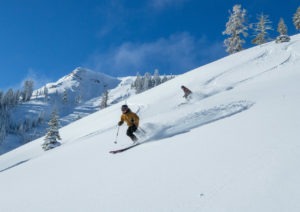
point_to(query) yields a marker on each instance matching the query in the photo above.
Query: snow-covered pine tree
(65, 97)
(164, 79)
(147, 81)
(156, 78)
(260, 29)
(104, 99)
(17, 96)
(27, 90)
(52, 135)
(46, 93)
(296, 19)
(282, 29)
(41, 117)
(2, 131)
(78, 98)
(9, 98)
(4, 120)
(235, 29)
(138, 83)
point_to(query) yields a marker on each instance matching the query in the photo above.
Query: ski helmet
(124, 108)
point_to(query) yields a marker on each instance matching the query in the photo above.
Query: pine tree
(147, 81)
(104, 99)
(138, 83)
(78, 98)
(17, 96)
(53, 133)
(65, 97)
(282, 29)
(9, 98)
(46, 93)
(27, 90)
(296, 19)
(2, 132)
(235, 29)
(164, 79)
(260, 28)
(156, 78)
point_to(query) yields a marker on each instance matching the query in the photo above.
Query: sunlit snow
(233, 147)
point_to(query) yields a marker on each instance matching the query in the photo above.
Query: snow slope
(233, 147)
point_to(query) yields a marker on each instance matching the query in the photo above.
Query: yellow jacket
(130, 118)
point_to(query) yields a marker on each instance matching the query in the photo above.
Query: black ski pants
(131, 130)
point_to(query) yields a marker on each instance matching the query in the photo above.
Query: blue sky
(47, 39)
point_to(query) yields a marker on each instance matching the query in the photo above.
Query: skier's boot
(134, 138)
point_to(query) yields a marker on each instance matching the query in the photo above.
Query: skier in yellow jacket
(132, 121)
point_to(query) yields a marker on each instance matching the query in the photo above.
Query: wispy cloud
(34, 75)
(175, 54)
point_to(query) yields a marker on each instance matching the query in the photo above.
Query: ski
(124, 149)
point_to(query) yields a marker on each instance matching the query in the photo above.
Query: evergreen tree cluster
(237, 27)
(8, 100)
(143, 83)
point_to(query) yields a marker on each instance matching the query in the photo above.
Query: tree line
(143, 83)
(140, 84)
(237, 27)
(8, 100)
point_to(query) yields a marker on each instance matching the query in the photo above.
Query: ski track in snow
(193, 120)
(248, 75)
(14, 165)
(260, 57)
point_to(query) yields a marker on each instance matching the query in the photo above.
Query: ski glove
(120, 123)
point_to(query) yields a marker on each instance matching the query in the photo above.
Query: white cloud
(39, 79)
(175, 54)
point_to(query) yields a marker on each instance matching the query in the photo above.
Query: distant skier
(187, 92)
(132, 121)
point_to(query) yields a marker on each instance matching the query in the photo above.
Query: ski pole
(142, 130)
(117, 135)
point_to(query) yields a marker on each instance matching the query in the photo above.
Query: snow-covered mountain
(81, 85)
(74, 96)
(233, 147)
